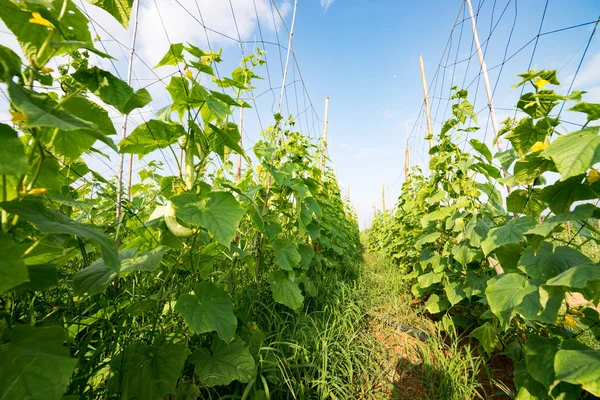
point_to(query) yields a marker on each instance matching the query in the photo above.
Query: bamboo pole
(119, 210)
(383, 198)
(325, 127)
(406, 154)
(239, 163)
(486, 80)
(427, 106)
(287, 59)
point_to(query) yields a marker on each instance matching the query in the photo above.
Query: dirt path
(439, 368)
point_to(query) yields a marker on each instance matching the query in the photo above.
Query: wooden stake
(427, 108)
(239, 164)
(348, 192)
(486, 80)
(119, 210)
(383, 198)
(325, 126)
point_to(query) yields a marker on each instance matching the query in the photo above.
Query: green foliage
(515, 289)
(148, 311)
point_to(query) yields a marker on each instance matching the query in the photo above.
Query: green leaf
(505, 295)
(220, 213)
(582, 212)
(540, 104)
(72, 45)
(525, 202)
(208, 309)
(72, 144)
(528, 388)
(464, 254)
(173, 55)
(50, 221)
(486, 334)
(511, 232)
(506, 158)
(539, 354)
(147, 261)
(428, 238)
(575, 153)
(562, 194)
(148, 372)
(41, 277)
(34, 364)
(12, 153)
(96, 277)
(307, 254)
(150, 136)
(436, 304)
(227, 363)
(13, 271)
(531, 167)
(285, 290)
(112, 90)
(41, 110)
(482, 149)
(286, 254)
(591, 109)
(576, 277)
(550, 261)
(72, 27)
(10, 64)
(526, 133)
(119, 9)
(579, 367)
(429, 279)
(229, 136)
(455, 292)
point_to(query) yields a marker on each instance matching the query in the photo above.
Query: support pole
(287, 60)
(325, 127)
(130, 175)
(427, 107)
(124, 126)
(348, 192)
(383, 198)
(406, 154)
(239, 163)
(484, 72)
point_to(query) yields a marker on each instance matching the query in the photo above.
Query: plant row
(174, 297)
(504, 245)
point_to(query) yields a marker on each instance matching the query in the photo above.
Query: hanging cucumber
(190, 176)
(175, 227)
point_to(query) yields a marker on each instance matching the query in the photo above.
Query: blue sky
(364, 55)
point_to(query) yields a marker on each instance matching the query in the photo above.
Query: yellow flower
(180, 189)
(523, 193)
(540, 82)
(189, 74)
(18, 117)
(570, 322)
(39, 20)
(45, 69)
(539, 146)
(38, 191)
(593, 176)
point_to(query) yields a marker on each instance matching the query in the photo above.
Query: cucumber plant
(173, 310)
(506, 269)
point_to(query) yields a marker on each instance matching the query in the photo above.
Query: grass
(443, 367)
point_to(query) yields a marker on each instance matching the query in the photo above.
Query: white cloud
(589, 74)
(326, 3)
